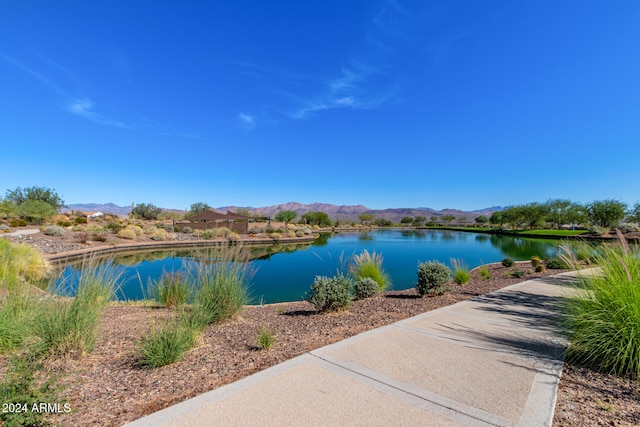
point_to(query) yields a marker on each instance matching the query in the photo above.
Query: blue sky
(384, 103)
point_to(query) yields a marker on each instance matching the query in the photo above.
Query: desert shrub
(366, 288)
(209, 234)
(299, 233)
(265, 338)
(4, 228)
(222, 231)
(18, 223)
(276, 236)
(127, 233)
(99, 236)
(256, 230)
(80, 220)
(627, 227)
(484, 273)
(540, 268)
(460, 272)
(517, 274)
(233, 236)
(598, 230)
(535, 261)
(63, 223)
(165, 344)
(306, 230)
(369, 265)
(432, 278)
(159, 235)
(556, 264)
(187, 230)
(19, 263)
(171, 290)
(114, 226)
(135, 228)
(81, 236)
(149, 229)
(330, 293)
(508, 262)
(603, 319)
(54, 230)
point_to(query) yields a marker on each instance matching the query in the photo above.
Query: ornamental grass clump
(460, 271)
(221, 279)
(171, 290)
(369, 265)
(69, 326)
(432, 278)
(165, 344)
(330, 293)
(603, 318)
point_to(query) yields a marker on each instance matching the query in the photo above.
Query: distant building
(210, 219)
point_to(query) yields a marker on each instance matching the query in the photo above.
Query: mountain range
(342, 212)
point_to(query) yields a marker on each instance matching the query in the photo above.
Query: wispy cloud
(84, 108)
(35, 74)
(247, 121)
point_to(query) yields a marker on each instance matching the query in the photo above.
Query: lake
(285, 273)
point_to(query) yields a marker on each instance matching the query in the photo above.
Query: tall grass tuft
(165, 344)
(221, 282)
(369, 265)
(68, 326)
(603, 319)
(20, 261)
(171, 290)
(460, 271)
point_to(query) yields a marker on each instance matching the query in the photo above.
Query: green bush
(80, 220)
(556, 264)
(366, 288)
(330, 293)
(519, 274)
(35, 211)
(508, 262)
(432, 278)
(603, 319)
(54, 230)
(460, 272)
(172, 289)
(187, 230)
(484, 273)
(540, 268)
(165, 344)
(535, 261)
(369, 265)
(159, 235)
(64, 223)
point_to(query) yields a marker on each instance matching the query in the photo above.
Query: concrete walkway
(494, 360)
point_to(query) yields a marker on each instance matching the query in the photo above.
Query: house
(209, 219)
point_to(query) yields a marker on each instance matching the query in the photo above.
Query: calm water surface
(287, 275)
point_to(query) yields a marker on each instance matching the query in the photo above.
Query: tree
(197, 208)
(606, 213)
(498, 218)
(47, 195)
(6, 208)
(634, 213)
(146, 211)
(366, 218)
(419, 220)
(481, 220)
(406, 220)
(448, 218)
(286, 216)
(462, 220)
(316, 218)
(383, 222)
(243, 211)
(533, 214)
(35, 211)
(560, 211)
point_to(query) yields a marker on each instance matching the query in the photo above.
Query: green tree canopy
(197, 208)
(448, 218)
(481, 220)
(562, 211)
(406, 220)
(366, 218)
(606, 213)
(634, 213)
(35, 211)
(43, 194)
(286, 216)
(317, 218)
(146, 211)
